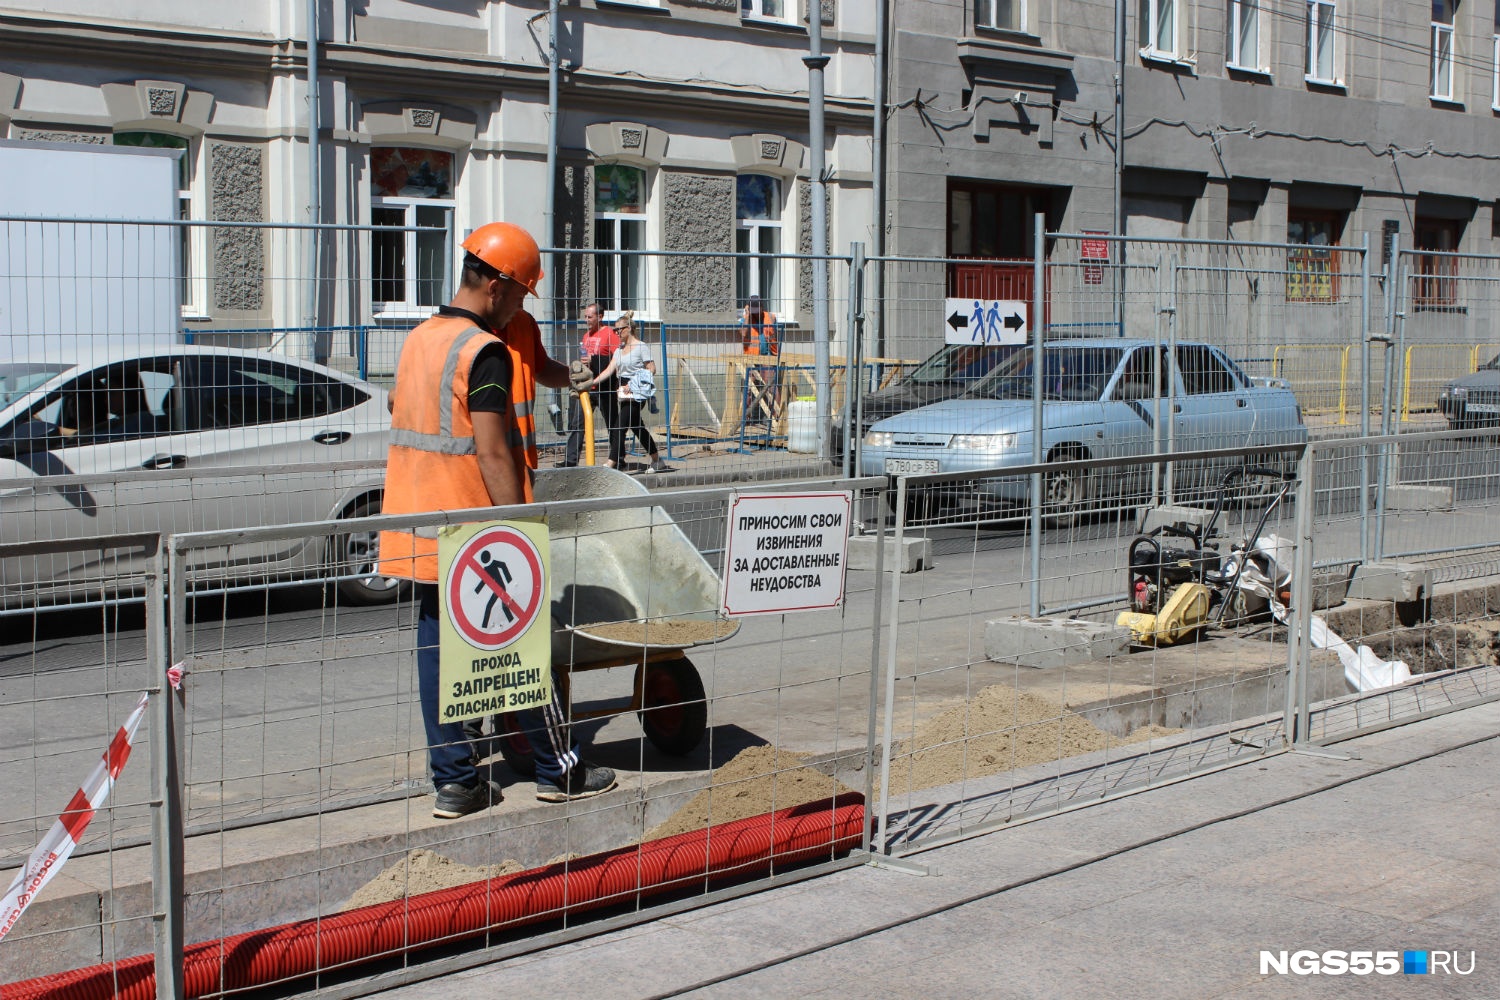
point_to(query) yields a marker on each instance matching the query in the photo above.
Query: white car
(148, 429)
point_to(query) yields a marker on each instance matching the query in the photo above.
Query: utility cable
(1062, 870)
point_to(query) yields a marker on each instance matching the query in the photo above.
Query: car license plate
(910, 466)
(1471, 408)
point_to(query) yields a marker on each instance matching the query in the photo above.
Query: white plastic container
(802, 426)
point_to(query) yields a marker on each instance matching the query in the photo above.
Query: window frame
(775, 299)
(1443, 61)
(1495, 61)
(441, 283)
(1317, 26)
(1495, 65)
(1237, 20)
(1152, 20)
(753, 11)
(616, 301)
(1321, 266)
(992, 22)
(1435, 285)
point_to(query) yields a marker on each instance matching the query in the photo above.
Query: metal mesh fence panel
(304, 758)
(1420, 576)
(993, 714)
(69, 682)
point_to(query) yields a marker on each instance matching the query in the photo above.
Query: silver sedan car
(1102, 399)
(179, 439)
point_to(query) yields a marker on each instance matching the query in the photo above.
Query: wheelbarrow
(629, 589)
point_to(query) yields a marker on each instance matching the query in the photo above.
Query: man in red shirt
(599, 344)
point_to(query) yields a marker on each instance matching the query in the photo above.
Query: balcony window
(1000, 15)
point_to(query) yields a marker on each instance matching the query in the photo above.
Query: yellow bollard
(588, 428)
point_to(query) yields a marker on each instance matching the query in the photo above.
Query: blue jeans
(450, 756)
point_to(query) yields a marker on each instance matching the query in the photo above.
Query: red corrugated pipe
(259, 958)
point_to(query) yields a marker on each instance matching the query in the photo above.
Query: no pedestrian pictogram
(496, 586)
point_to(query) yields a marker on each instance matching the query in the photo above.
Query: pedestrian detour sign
(785, 552)
(495, 645)
(986, 321)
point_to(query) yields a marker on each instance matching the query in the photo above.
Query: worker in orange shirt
(758, 329)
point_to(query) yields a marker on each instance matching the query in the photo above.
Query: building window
(1312, 269)
(1436, 285)
(1321, 52)
(1244, 34)
(1495, 61)
(1442, 49)
(191, 238)
(1160, 20)
(758, 231)
(620, 224)
(779, 11)
(1001, 15)
(412, 189)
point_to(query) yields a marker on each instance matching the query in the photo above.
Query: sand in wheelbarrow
(756, 781)
(663, 632)
(999, 730)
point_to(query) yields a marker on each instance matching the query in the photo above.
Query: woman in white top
(631, 357)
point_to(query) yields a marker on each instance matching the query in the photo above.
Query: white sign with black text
(785, 552)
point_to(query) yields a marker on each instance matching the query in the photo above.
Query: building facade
(681, 125)
(1320, 122)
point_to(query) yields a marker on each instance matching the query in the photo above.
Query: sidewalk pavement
(1171, 893)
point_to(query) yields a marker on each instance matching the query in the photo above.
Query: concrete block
(59, 931)
(1391, 581)
(914, 553)
(1052, 642)
(1419, 497)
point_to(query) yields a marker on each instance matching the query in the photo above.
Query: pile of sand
(423, 871)
(757, 781)
(1000, 730)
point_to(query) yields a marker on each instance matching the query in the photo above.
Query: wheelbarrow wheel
(674, 708)
(514, 746)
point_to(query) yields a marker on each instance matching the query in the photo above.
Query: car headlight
(983, 442)
(1455, 391)
(879, 439)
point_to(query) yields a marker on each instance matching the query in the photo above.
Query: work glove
(580, 376)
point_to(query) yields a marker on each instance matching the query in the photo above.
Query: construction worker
(463, 435)
(758, 329)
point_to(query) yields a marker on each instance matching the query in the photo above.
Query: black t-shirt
(489, 380)
(489, 375)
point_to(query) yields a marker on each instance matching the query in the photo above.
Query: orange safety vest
(760, 340)
(431, 464)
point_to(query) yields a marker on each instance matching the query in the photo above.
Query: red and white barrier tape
(58, 844)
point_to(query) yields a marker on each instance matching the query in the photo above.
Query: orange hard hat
(510, 250)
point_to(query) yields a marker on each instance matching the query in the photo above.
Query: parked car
(950, 372)
(184, 412)
(1102, 400)
(1473, 400)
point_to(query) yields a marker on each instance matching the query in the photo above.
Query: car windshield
(960, 363)
(20, 377)
(1492, 362)
(1072, 373)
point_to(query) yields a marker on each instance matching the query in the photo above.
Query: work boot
(455, 800)
(584, 781)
